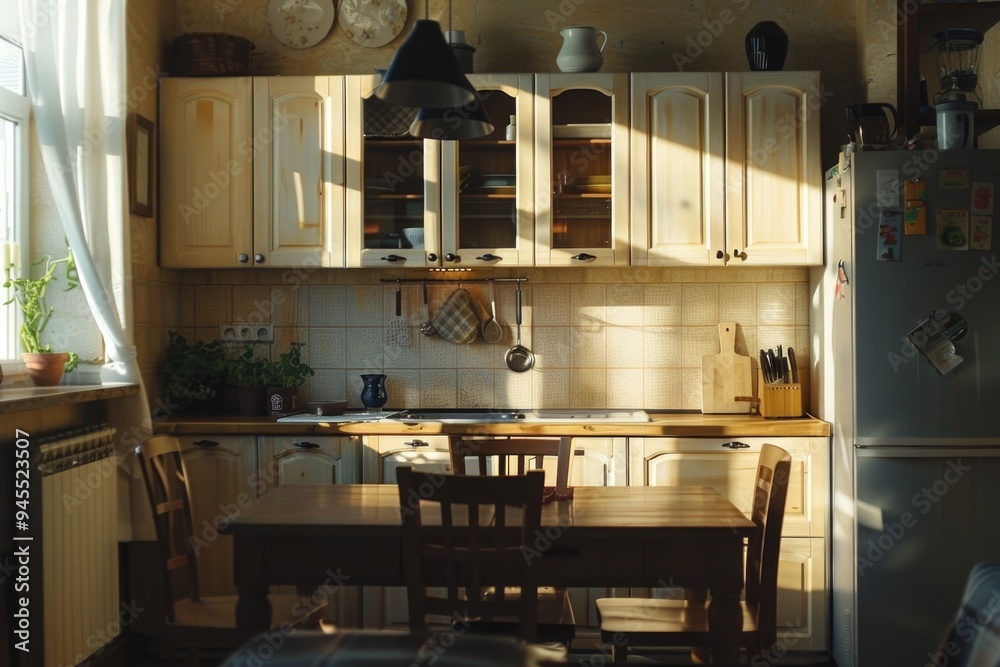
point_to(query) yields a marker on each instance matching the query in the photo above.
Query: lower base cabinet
(729, 466)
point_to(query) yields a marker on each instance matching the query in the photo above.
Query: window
(14, 114)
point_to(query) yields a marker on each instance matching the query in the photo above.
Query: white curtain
(76, 69)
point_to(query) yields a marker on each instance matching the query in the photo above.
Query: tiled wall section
(614, 338)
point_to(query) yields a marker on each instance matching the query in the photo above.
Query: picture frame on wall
(141, 165)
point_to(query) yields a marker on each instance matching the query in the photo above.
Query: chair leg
(701, 655)
(619, 654)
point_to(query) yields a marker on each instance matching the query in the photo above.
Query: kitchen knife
(793, 366)
(765, 367)
(772, 363)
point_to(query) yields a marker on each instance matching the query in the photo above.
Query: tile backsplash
(602, 338)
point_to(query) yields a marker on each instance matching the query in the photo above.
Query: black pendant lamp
(424, 72)
(468, 121)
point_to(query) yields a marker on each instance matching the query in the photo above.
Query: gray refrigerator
(909, 325)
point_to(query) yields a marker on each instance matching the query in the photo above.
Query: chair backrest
(478, 531)
(768, 512)
(513, 455)
(170, 499)
(974, 637)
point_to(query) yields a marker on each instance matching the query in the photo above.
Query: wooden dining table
(351, 535)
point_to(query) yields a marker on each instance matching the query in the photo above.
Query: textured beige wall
(154, 291)
(523, 36)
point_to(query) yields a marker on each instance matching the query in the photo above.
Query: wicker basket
(211, 54)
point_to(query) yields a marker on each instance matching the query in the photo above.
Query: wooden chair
(195, 622)
(627, 622)
(476, 537)
(974, 636)
(557, 622)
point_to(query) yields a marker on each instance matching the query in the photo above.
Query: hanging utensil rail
(453, 280)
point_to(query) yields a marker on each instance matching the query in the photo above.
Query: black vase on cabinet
(767, 47)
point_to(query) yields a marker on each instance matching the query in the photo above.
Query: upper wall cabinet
(581, 170)
(774, 179)
(678, 172)
(206, 171)
(732, 181)
(299, 171)
(252, 172)
(393, 184)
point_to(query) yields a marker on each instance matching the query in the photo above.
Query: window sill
(26, 397)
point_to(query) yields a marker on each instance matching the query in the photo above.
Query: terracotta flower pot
(45, 368)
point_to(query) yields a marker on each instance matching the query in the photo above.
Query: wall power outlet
(245, 332)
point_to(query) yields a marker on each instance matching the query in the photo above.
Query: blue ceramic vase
(767, 47)
(373, 394)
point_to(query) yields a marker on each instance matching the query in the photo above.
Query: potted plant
(250, 375)
(45, 367)
(194, 375)
(289, 373)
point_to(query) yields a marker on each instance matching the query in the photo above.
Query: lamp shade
(468, 121)
(424, 72)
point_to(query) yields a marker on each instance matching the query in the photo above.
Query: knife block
(779, 400)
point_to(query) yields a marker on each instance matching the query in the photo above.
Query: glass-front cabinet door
(581, 169)
(486, 183)
(393, 184)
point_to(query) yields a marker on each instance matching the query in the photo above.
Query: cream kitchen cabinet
(252, 172)
(223, 478)
(309, 459)
(730, 467)
(581, 170)
(726, 169)
(470, 201)
(774, 179)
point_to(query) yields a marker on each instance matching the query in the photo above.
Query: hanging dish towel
(457, 320)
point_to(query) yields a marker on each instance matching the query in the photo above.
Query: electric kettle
(872, 125)
(955, 123)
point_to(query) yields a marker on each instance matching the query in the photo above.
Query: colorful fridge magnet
(982, 199)
(915, 213)
(954, 179)
(842, 281)
(953, 229)
(890, 235)
(980, 232)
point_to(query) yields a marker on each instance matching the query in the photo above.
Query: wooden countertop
(691, 425)
(23, 398)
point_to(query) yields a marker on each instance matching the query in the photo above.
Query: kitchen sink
(477, 416)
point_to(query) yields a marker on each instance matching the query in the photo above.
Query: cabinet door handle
(432, 257)
(738, 253)
(488, 257)
(258, 258)
(736, 445)
(393, 258)
(305, 445)
(719, 254)
(206, 443)
(416, 443)
(451, 257)
(583, 257)
(242, 258)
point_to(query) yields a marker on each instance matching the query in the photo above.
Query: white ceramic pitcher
(579, 52)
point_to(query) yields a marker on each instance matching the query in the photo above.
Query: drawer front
(308, 459)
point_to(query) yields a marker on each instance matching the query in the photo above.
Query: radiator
(79, 544)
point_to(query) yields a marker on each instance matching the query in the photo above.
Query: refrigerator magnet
(953, 229)
(915, 212)
(887, 187)
(982, 199)
(980, 232)
(889, 235)
(954, 179)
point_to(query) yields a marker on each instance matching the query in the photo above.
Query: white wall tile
(662, 388)
(625, 388)
(587, 388)
(326, 306)
(327, 347)
(738, 303)
(550, 388)
(475, 388)
(364, 347)
(551, 306)
(551, 347)
(663, 346)
(662, 305)
(625, 304)
(625, 347)
(775, 303)
(588, 348)
(438, 388)
(513, 390)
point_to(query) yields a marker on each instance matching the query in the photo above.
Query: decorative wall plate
(373, 23)
(300, 23)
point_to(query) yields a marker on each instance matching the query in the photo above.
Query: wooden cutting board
(726, 375)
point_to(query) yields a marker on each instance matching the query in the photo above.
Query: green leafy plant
(289, 370)
(30, 296)
(193, 372)
(247, 370)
